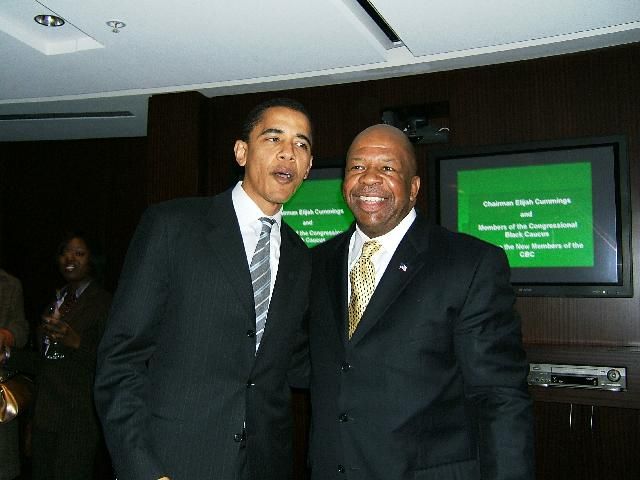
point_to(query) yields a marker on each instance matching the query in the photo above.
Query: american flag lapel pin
(403, 267)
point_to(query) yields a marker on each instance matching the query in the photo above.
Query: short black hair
(255, 115)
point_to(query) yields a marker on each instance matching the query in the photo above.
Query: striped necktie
(70, 300)
(363, 281)
(261, 277)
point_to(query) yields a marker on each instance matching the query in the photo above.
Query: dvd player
(578, 376)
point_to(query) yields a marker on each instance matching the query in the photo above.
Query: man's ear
(306, 174)
(240, 151)
(415, 187)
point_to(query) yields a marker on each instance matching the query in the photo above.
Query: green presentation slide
(541, 215)
(317, 211)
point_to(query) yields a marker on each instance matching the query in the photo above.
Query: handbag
(16, 395)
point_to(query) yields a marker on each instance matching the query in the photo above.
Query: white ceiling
(82, 80)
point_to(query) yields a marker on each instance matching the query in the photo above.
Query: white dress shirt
(249, 215)
(389, 243)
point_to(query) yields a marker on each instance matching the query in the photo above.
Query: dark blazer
(64, 407)
(432, 384)
(64, 401)
(178, 375)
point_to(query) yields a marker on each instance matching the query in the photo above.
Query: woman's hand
(60, 331)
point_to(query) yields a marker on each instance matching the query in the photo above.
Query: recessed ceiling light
(49, 20)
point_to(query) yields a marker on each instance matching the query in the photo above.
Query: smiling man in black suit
(418, 371)
(191, 382)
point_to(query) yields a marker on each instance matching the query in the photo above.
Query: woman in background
(65, 431)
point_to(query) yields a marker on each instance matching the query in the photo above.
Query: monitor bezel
(624, 286)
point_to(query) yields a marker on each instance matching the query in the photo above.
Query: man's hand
(6, 342)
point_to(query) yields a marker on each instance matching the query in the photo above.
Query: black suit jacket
(432, 384)
(64, 402)
(178, 375)
(64, 387)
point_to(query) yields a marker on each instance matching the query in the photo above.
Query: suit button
(250, 384)
(343, 418)
(237, 437)
(340, 469)
(345, 366)
(251, 333)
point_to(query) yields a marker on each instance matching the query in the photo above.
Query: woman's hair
(96, 257)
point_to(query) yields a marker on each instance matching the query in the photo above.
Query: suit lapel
(337, 283)
(405, 263)
(76, 317)
(227, 247)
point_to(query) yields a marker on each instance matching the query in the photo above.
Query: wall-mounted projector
(415, 126)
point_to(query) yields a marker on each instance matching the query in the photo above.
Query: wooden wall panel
(177, 163)
(49, 187)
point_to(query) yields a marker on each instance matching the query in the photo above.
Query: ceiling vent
(64, 116)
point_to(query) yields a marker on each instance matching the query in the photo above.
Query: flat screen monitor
(317, 211)
(560, 210)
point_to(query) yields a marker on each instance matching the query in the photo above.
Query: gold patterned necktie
(363, 281)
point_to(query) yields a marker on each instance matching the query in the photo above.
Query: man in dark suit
(188, 385)
(417, 366)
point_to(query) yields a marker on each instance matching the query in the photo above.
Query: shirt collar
(390, 240)
(246, 209)
(79, 291)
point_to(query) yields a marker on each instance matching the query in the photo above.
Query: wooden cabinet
(583, 433)
(586, 442)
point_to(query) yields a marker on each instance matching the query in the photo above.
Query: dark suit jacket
(64, 402)
(178, 374)
(64, 389)
(432, 384)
